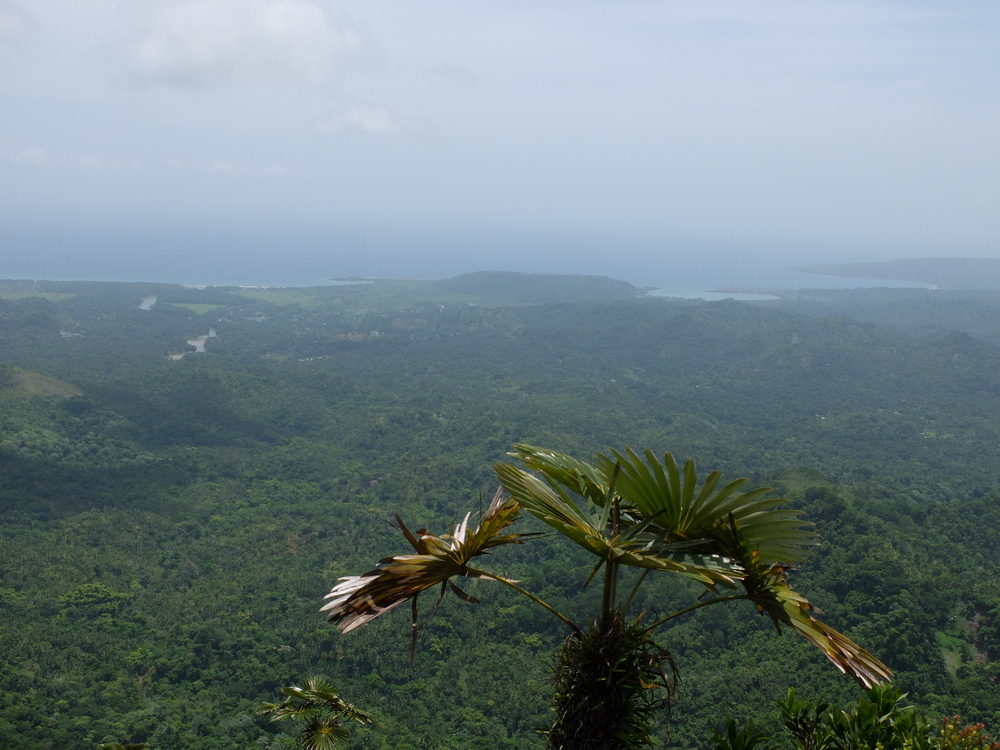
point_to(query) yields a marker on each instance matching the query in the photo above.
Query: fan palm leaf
(683, 511)
(324, 734)
(317, 691)
(314, 697)
(664, 512)
(574, 500)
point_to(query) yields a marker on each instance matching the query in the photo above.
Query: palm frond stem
(611, 568)
(635, 589)
(535, 599)
(693, 607)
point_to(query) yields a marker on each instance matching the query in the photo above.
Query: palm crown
(631, 510)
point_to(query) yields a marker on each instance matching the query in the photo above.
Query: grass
(30, 383)
(305, 296)
(953, 651)
(15, 290)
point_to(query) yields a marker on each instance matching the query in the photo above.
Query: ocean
(310, 256)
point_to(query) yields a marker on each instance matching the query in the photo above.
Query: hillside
(922, 312)
(27, 383)
(944, 273)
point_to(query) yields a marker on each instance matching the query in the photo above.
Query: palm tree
(316, 703)
(626, 510)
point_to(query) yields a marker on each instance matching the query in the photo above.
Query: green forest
(171, 519)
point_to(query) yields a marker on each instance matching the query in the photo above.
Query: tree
(629, 510)
(878, 720)
(323, 711)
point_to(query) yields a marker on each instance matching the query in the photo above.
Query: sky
(266, 140)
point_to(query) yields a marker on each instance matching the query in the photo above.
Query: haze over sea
(312, 256)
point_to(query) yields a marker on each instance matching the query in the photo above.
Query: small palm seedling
(745, 738)
(317, 704)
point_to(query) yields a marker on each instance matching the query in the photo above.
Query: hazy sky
(591, 136)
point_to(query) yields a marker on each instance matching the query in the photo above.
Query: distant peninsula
(944, 273)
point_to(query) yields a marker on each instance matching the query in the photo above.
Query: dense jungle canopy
(168, 527)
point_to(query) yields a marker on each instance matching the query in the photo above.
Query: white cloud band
(365, 121)
(209, 42)
(15, 23)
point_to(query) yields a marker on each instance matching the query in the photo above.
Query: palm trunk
(610, 592)
(610, 573)
(602, 681)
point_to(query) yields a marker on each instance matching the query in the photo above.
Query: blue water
(313, 255)
(698, 292)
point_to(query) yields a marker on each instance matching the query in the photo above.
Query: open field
(30, 383)
(15, 290)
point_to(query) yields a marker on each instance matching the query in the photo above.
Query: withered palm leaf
(356, 600)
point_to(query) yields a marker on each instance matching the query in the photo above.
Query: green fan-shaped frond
(324, 734)
(596, 529)
(683, 510)
(317, 691)
(664, 511)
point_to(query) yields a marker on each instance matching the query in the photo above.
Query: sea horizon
(257, 254)
(693, 283)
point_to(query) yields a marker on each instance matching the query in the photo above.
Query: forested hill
(947, 273)
(527, 288)
(168, 535)
(923, 312)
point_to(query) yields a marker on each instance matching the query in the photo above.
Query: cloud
(213, 42)
(216, 167)
(15, 23)
(455, 75)
(31, 156)
(91, 163)
(224, 167)
(365, 121)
